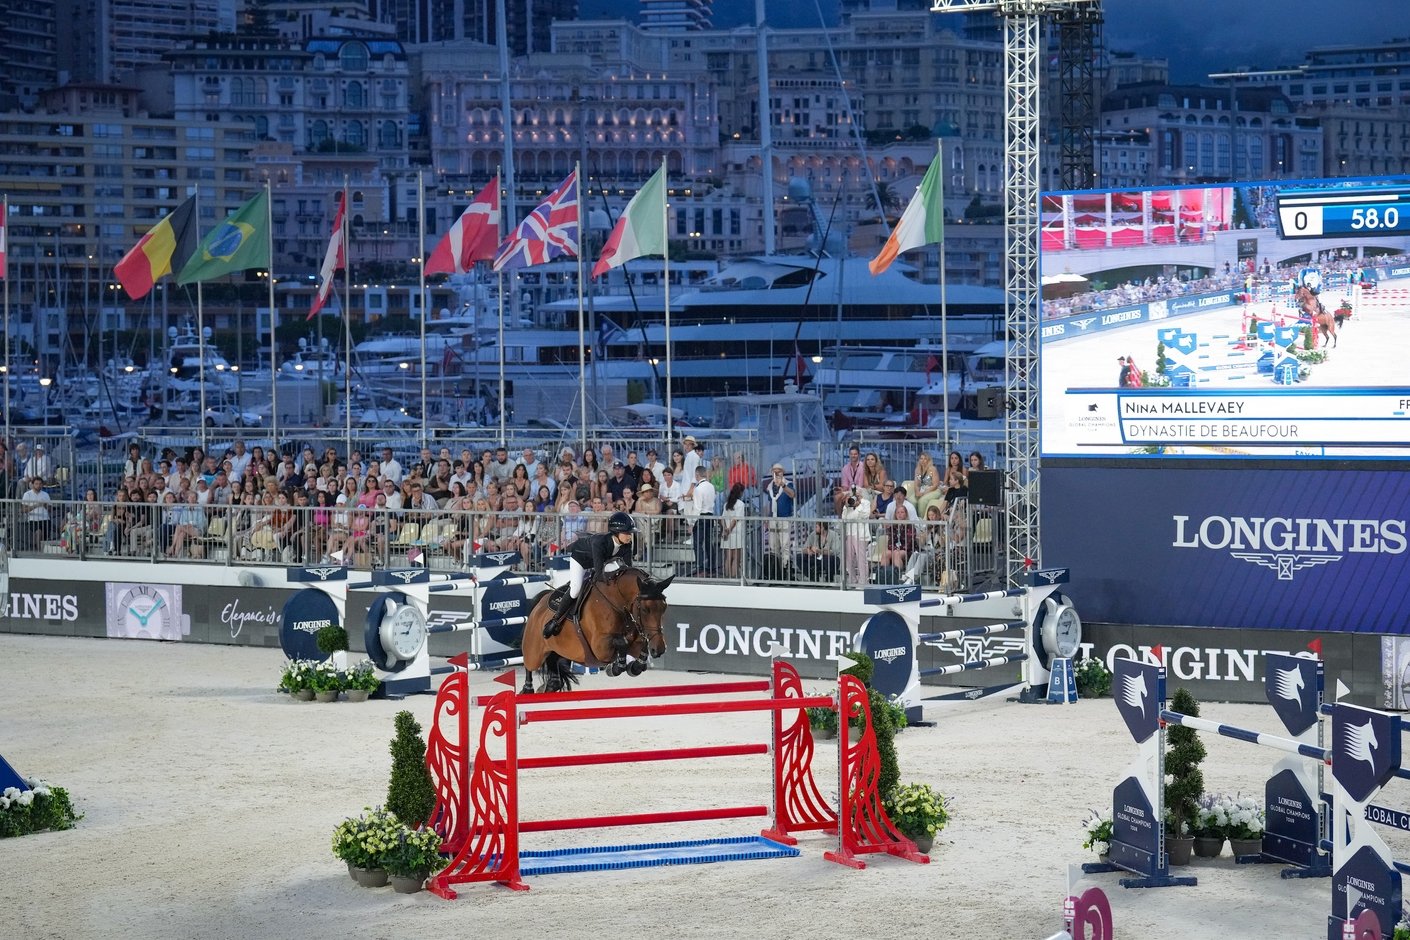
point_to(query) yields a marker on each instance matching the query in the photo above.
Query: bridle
(632, 612)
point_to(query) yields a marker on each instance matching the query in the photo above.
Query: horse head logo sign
(1139, 689)
(1293, 686)
(1366, 746)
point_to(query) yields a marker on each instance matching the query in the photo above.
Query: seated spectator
(821, 555)
(572, 525)
(900, 536)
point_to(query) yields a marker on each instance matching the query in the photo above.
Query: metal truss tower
(1022, 60)
(1079, 41)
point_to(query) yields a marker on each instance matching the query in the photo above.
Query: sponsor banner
(55, 607)
(1199, 302)
(1254, 548)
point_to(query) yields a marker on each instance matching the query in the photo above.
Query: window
(353, 57)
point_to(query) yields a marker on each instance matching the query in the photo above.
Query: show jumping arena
(210, 800)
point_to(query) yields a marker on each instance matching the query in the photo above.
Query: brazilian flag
(238, 243)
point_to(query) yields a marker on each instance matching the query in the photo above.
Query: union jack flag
(549, 231)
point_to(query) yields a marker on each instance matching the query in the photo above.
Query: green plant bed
(1093, 678)
(39, 808)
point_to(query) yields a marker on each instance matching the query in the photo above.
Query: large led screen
(1172, 323)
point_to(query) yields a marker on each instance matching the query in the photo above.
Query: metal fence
(956, 553)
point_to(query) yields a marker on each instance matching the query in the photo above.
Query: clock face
(1068, 631)
(143, 611)
(404, 631)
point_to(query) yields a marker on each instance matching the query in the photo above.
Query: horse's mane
(613, 576)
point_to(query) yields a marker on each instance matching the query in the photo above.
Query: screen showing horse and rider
(1240, 320)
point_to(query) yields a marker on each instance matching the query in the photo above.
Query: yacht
(313, 361)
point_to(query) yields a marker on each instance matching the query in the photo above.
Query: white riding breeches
(577, 574)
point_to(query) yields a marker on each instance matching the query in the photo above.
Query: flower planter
(326, 696)
(304, 695)
(824, 734)
(1243, 847)
(854, 734)
(923, 842)
(1179, 848)
(370, 877)
(1209, 846)
(404, 885)
(357, 695)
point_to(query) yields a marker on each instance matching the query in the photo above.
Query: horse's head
(650, 610)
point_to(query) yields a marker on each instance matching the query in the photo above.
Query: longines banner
(1232, 547)
(1216, 665)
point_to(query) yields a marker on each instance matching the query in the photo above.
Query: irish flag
(923, 222)
(640, 230)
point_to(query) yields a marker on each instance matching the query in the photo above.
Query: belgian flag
(166, 247)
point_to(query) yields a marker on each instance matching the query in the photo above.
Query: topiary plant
(411, 796)
(864, 669)
(1183, 753)
(331, 639)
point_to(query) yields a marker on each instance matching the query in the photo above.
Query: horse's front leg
(528, 687)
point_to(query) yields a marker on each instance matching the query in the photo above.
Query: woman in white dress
(732, 530)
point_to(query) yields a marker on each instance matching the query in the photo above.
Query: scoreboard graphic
(1339, 213)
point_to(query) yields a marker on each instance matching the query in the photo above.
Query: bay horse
(621, 617)
(1322, 321)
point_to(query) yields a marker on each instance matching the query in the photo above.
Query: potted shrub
(411, 795)
(1245, 826)
(1211, 823)
(37, 808)
(823, 721)
(411, 859)
(297, 679)
(1093, 678)
(918, 811)
(360, 841)
(1098, 828)
(361, 681)
(326, 680)
(1184, 781)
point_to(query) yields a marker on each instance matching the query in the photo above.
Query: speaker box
(986, 487)
(989, 402)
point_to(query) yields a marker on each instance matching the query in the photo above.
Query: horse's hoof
(614, 670)
(636, 668)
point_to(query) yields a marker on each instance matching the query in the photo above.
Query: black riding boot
(558, 603)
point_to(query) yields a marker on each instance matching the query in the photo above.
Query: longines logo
(889, 656)
(501, 558)
(406, 576)
(1286, 545)
(902, 593)
(323, 574)
(1083, 323)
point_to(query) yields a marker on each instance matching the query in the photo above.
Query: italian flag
(923, 222)
(640, 230)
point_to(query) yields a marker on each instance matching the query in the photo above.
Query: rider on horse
(590, 551)
(1310, 278)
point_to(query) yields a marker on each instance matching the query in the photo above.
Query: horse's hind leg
(528, 687)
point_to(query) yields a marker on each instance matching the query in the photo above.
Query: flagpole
(582, 357)
(201, 339)
(421, 248)
(5, 276)
(502, 438)
(944, 309)
(273, 322)
(347, 325)
(666, 281)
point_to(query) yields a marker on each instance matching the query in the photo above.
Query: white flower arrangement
(1098, 828)
(38, 807)
(1237, 817)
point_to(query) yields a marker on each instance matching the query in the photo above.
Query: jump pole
(1296, 813)
(483, 838)
(893, 639)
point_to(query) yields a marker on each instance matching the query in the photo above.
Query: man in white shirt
(706, 531)
(36, 503)
(40, 465)
(658, 469)
(530, 461)
(692, 460)
(239, 461)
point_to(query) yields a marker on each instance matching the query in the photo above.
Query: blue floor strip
(647, 855)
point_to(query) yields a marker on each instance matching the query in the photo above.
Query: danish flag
(549, 231)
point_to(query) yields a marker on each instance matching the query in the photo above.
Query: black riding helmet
(620, 522)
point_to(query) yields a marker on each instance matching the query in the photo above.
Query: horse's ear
(659, 587)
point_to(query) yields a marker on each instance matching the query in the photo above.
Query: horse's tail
(555, 665)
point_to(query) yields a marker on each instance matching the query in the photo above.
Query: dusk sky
(1197, 36)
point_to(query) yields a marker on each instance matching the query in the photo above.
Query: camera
(851, 502)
